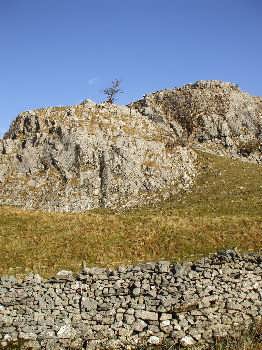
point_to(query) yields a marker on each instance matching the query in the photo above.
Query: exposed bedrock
(90, 156)
(214, 115)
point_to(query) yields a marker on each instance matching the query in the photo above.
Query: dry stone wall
(149, 304)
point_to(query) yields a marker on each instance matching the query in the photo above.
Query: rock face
(212, 115)
(106, 156)
(89, 156)
(152, 303)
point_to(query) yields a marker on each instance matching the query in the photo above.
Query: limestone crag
(211, 115)
(90, 156)
(152, 303)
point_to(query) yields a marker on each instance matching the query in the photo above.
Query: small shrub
(246, 148)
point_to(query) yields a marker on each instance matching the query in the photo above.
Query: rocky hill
(106, 156)
(212, 115)
(89, 156)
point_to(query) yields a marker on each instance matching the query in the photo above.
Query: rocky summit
(86, 156)
(211, 115)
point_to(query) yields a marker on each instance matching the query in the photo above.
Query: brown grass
(222, 211)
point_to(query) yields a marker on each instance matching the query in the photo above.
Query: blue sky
(56, 52)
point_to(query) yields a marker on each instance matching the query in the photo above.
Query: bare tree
(113, 91)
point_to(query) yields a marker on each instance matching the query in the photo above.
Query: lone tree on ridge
(113, 91)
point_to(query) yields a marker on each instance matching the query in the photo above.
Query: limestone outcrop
(90, 156)
(211, 115)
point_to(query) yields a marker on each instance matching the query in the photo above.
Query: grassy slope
(223, 211)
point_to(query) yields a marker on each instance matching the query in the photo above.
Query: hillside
(161, 155)
(169, 178)
(87, 156)
(223, 210)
